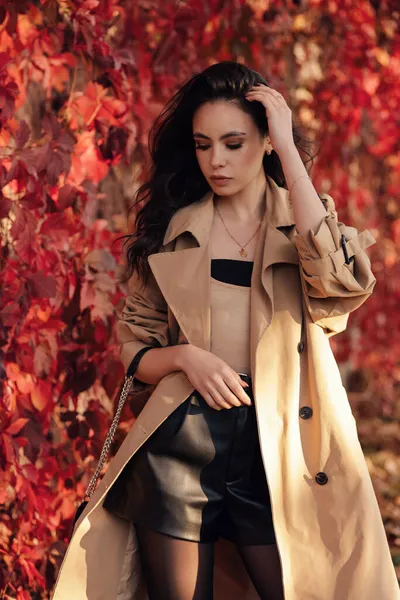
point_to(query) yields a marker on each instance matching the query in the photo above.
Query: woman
(243, 473)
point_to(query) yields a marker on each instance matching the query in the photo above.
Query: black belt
(246, 378)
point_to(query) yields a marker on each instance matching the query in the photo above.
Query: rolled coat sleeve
(143, 323)
(335, 270)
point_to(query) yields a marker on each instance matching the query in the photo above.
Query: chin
(225, 190)
(222, 192)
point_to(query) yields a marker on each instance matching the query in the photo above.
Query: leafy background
(80, 84)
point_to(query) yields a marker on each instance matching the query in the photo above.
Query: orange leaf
(41, 394)
(12, 371)
(16, 427)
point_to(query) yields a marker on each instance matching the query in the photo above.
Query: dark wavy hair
(175, 178)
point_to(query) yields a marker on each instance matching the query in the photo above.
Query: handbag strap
(110, 436)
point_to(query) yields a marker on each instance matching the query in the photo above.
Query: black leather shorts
(199, 476)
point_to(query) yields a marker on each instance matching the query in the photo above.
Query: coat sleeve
(335, 270)
(143, 323)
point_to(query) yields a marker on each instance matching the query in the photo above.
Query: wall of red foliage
(80, 84)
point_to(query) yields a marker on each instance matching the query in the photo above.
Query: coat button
(306, 412)
(321, 478)
(300, 347)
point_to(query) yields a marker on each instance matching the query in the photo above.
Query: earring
(269, 151)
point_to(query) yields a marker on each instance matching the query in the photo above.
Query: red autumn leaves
(80, 84)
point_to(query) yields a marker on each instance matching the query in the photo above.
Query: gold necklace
(242, 250)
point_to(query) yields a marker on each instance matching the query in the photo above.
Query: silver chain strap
(110, 436)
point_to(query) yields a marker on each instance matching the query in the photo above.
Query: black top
(233, 271)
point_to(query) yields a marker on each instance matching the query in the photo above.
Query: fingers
(227, 393)
(238, 391)
(264, 94)
(264, 89)
(225, 400)
(208, 398)
(266, 101)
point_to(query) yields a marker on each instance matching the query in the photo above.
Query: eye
(230, 146)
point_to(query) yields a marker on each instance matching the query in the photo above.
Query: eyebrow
(226, 135)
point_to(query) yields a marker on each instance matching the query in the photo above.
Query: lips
(221, 181)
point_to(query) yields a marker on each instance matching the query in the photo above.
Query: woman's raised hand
(220, 386)
(279, 116)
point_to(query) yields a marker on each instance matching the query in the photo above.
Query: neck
(248, 205)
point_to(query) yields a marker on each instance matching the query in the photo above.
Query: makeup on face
(228, 146)
(220, 179)
(234, 145)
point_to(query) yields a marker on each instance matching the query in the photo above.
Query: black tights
(177, 569)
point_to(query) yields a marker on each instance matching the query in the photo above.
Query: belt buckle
(248, 377)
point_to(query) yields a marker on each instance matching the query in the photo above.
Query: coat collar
(197, 218)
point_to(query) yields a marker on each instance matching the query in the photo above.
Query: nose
(217, 159)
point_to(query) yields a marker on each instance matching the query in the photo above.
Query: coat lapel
(183, 274)
(183, 278)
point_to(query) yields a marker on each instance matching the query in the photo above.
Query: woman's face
(228, 144)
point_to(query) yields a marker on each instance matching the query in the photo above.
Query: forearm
(307, 207)
(159, 362)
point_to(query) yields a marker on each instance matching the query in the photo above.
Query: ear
(267, 145)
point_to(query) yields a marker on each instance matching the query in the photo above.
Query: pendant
(242, 252)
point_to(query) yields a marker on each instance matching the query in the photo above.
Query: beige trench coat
(330, 537)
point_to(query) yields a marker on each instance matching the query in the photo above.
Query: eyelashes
(230, 146)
